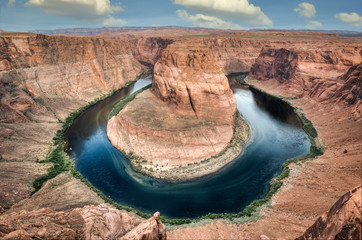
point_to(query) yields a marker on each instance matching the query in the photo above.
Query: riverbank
(311, 187)
(199, 169)
(146, 114)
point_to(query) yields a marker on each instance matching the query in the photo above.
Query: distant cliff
(324, 75)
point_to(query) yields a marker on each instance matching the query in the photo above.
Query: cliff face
(343, 221)
(42, 80)
(89, 222)
(41, 67)
(148, 50)
(188, 115)
(193, 81)
(324, 75)
(235, 54)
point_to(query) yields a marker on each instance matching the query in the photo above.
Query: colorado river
(276, 136)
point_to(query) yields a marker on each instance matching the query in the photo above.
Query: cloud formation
(352, 18)
(97, 11)
(11, 2)
(229, 9)
(204, 21)
(313, 24)
(305, 10)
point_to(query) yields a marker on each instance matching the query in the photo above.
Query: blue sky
(25, 15)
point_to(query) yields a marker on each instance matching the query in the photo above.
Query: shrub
(119, 106)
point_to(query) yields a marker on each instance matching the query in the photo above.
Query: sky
(27, 15)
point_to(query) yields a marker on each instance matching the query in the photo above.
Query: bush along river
(276, 135)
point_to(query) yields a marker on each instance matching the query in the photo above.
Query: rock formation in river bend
(188, 115)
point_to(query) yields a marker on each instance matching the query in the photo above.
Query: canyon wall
(148, 50)
(42, 80)
(235, 54)
(324, 75)
(50, 69)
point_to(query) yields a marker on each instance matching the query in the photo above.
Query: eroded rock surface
(90, 222)
(186, 117)
(324, 75)
(42, 80)
(343, 221)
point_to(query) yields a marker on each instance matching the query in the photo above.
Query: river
(276, 135)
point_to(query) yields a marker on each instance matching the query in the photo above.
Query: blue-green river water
(276, 135)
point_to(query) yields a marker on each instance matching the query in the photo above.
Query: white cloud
(111, 21)
(313, 24)
(97, 11)
(11, 2)
(353, 18)
(201, 20)
(305, 10)
(229, 9)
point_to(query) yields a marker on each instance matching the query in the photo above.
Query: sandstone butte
(44, 78)
(188, 116)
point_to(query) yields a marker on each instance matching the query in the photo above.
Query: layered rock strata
(188, 115)
(324, 75)
(53, 70)
(42, 80)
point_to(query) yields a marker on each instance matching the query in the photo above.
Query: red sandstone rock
(149, 229)
(89, 222)
(46, 67)
(187, 117)
(343, 221)
(324, 75)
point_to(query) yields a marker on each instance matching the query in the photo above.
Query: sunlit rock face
(332, 75)
(186, 117)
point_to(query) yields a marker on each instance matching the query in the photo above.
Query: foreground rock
(149, 229)
(89, 222)
(343, 221)
(188, 115)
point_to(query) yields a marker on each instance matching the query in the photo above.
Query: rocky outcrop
(89, 222)
(149, 229)
(343, 221)
(350, 91)
(187, 117)
(332, 75)
(194, 83)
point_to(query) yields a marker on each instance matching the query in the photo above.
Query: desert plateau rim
(47, 81)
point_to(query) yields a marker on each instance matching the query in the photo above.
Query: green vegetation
(308, 126)
(119, 106)
(57, 156)
(241, 78)
(61, 163)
